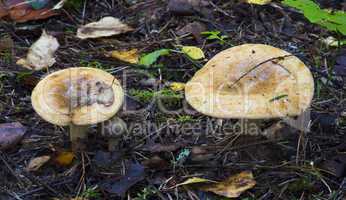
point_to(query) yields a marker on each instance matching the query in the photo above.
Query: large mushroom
(77, 97)
(251, 81)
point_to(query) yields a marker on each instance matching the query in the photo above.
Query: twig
(261, 63)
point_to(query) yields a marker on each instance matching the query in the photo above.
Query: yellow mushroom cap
(251, 81)
(79, 96)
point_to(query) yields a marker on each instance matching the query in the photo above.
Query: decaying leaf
(258, 2)
(36, 163)
(193, 52)
(135, 173)
(176, 86)
(11, 134)
(130, 56)
(41, 53)
(22, 11)
(195, 180)
(64, 158)
(106, 26)
(155, 148)
(233, 186)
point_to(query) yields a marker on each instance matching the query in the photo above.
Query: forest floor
(163, 149)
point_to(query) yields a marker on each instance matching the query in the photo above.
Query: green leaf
(331, 20)
(152, 57)
(193, 52)
(210, 33)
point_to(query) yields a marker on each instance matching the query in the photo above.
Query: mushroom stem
(77, 133)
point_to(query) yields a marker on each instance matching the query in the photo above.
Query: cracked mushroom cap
(251, 81)
(79, 96)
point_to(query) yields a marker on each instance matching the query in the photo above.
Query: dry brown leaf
(22, 11)
(36, 163)
(233, 186)
(64, 158)
(106, 26)
(41, 53)
(130, 56)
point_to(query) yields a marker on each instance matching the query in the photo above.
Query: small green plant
(332, 20)
(93, 64)
(215, 35)
(91, 193)
(145, 194)
(150, 58)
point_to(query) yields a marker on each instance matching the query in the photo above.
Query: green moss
(146, 96)
(6, 56)
(93, 64)
(185, 119)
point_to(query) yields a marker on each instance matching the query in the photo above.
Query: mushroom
(77, 97)
(251, 81)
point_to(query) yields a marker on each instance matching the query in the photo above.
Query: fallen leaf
(36, 163)
(65, 158)
(186, 7)
(333, 42)
(11, 134)
(152, 57)
(195, 28)
(155, 162)
(135, 174)
(258, 2)
(106, 26)
(3, 10)
(195, 180)
(106, 159)
(176, 86)
(130, 56)
(233, 186)
(22, 11)
(41, 53)
(193, 52)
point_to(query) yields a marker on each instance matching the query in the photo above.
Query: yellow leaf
(194, 180)
(233, 186)
(65, 158)
(176, 86)
(258, 2)
(130, 56)
(193, 52)
(36, 163)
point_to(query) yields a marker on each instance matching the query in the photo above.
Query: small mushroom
(251, 81)
(77, 97)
